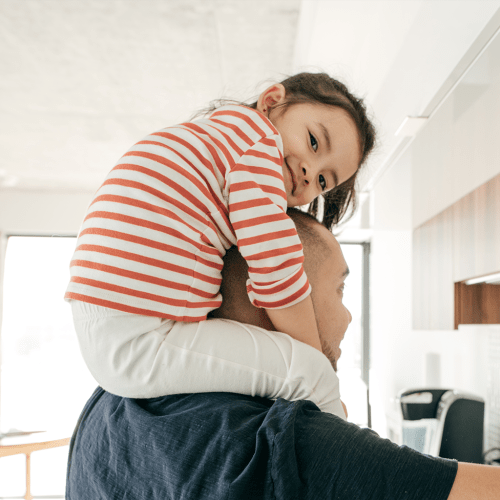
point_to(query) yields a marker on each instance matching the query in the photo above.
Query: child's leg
(142, 357)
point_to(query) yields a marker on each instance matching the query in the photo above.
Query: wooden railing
(26, 444)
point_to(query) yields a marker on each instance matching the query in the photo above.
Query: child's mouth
(294, 183)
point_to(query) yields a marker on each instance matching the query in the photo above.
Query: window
(44, 382)
(353, 363)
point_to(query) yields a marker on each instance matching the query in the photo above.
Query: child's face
(321, 149)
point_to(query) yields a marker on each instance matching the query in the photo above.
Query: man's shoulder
(207, 446)
(224, 445)
(236, 418)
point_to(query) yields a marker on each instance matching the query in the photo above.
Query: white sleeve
(143, 357)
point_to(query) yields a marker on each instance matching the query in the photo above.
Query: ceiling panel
(82, 80)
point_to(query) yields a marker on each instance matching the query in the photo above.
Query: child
(146, 270)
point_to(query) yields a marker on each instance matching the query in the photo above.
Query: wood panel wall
(460, 243)
(433, 274)
(476, 231)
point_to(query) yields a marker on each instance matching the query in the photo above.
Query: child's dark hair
(322, 89)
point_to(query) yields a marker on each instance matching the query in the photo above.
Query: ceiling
(82, 80)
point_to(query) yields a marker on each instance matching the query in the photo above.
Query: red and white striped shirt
(155, 232)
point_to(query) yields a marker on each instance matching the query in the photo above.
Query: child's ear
(272, 96)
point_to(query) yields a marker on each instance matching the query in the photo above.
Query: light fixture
(490, 278)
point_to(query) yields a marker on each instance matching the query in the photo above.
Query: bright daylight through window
(44, 383)
(350, 368)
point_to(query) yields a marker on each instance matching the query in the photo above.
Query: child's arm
(298, 321)
(268, 241)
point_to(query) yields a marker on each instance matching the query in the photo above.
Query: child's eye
(314, 142)
(322, 182)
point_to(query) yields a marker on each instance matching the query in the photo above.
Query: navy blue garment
(223, 446)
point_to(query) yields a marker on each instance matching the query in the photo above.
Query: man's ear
(272, 96)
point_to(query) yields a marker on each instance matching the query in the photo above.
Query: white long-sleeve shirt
(155, 232)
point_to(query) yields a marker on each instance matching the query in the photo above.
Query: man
(225, 445)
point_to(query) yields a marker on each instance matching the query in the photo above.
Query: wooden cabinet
(433, 274)
(460, 243)
(477, 304)
(476, 232)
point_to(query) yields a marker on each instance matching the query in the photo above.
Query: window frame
(365, 320)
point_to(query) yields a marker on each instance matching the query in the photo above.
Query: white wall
(42, 212)
(454, 154)
(39, 213)
(390, 290)
(399, 54)
(457, 151)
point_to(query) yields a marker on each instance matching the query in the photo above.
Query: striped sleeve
(266, 236)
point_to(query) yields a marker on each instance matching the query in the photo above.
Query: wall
(39, 213)
(390, 291)
(455, 153)
(42, 212)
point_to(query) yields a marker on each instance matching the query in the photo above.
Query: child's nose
(305, 171)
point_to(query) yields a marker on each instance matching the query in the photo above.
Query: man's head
(326, 269)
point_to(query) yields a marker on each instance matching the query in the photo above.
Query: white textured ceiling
(82, 80)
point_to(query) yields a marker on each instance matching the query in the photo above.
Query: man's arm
(341, 460)
(475, 481)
